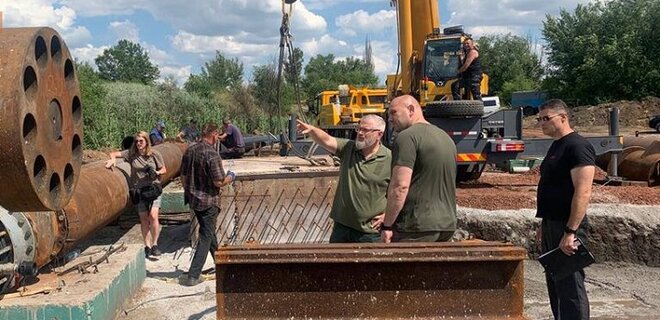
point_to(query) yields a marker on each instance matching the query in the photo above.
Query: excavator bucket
(277, 262)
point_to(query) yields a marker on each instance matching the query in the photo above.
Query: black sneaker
(155, 251)
(190, 282)
(147, 251)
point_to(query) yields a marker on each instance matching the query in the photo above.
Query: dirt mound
(632, 113)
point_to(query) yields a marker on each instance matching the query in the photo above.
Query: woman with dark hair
(146, 167)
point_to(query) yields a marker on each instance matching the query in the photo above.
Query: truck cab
(529, 101)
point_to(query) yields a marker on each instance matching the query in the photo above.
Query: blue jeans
(208, 242)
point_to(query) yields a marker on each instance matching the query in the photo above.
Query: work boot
(147, 251)
(155, 251)
(190, 282)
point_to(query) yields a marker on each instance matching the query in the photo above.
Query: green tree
(510, 63)
(293, 67)
(220, 73)
(324, 73)
(604, 51)
(128, 62)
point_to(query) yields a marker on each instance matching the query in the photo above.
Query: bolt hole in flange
(68, 177)
(30, 84)
(41, 51)
(76, 147)
(39, 167)
(69, 73)
(54, 187)
(76, 109)
(55, 48)
(29, 128)
(55, 118)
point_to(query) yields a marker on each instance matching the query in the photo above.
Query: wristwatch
(383, 227)
(568, 230)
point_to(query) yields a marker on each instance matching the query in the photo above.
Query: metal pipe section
(100, 197)
(40, 120)
(614, 131)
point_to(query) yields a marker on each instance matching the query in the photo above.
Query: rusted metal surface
(278, 208)
(100, 197)
(466, 280)
(41, 127)
(638, 161)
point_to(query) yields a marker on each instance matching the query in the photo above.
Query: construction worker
(470, 72)
(364, 173)
(421, 198)
(232, 139)
(157, 133)
(563, 194)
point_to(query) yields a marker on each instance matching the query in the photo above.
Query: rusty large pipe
(41, 123)
(100, 197)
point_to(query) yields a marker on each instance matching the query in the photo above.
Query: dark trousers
(343, 234)
(468, 82)
(568, 296)
(208, 242)
(424, 236)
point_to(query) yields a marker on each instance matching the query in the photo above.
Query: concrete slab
(75, 295)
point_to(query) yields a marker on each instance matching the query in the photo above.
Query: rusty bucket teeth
(41, 128)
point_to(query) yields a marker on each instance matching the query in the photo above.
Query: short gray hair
(378, 120)
(556, 105)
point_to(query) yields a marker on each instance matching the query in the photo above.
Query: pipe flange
(17, 243)
(42, 127)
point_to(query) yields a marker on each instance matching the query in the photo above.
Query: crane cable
(285, 40)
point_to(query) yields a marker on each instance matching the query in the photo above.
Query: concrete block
(91, 296)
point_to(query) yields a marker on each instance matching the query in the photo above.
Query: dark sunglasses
(547, 118)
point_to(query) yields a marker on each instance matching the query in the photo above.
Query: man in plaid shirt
(202, 177)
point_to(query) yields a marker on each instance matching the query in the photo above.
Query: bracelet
(568, 230)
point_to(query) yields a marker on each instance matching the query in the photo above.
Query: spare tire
(457, 108)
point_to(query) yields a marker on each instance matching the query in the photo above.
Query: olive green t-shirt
(431, 201)
(362, 186)
(139, 176)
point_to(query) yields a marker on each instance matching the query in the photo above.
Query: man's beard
(365, 143)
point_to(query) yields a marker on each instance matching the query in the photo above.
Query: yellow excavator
(339, 111)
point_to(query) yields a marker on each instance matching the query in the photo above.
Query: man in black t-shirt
(563, 194)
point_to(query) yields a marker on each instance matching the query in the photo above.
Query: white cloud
(179, 74)
(363, 22)
(91, 8)
(188, 42)
(125, 30)
(40, 13)
(384, 58)
(87, 53)
(515, 16)
(324, 45)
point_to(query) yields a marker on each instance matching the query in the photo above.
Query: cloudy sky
(181, 35)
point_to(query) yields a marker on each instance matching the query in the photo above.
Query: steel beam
(467, 280)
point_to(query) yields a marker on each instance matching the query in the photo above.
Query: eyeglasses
(365, 130)
(140, 141)
(547, 118)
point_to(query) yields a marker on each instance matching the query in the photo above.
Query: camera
(151, 171)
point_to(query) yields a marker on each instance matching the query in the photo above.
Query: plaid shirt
(201, 165)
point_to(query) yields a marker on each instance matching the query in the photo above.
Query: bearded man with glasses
(564, 190)
(364, 174)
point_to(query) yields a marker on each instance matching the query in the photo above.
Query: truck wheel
(657, 127)
(458, 108)
(528, 111)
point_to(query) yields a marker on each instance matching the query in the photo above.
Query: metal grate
(276, 215)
